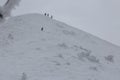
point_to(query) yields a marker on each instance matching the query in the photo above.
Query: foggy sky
(98, 17)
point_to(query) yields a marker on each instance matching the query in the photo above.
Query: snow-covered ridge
(58, 52)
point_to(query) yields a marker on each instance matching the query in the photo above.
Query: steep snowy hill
(59, 52)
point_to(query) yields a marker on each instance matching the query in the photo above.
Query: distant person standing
(45, 14)
(48, 15)
(42, 29)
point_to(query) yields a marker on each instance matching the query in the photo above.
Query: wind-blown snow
(59, 52)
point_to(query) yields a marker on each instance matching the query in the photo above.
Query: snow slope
(59, 52)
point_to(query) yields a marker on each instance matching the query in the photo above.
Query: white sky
(98, 17)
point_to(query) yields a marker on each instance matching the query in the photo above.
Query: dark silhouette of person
(48, 15)
(45, 14)
(42, 29)
(1, 16)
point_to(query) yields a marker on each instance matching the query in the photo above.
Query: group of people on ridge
(47, 14)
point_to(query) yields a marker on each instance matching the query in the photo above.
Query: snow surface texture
(59, 52)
